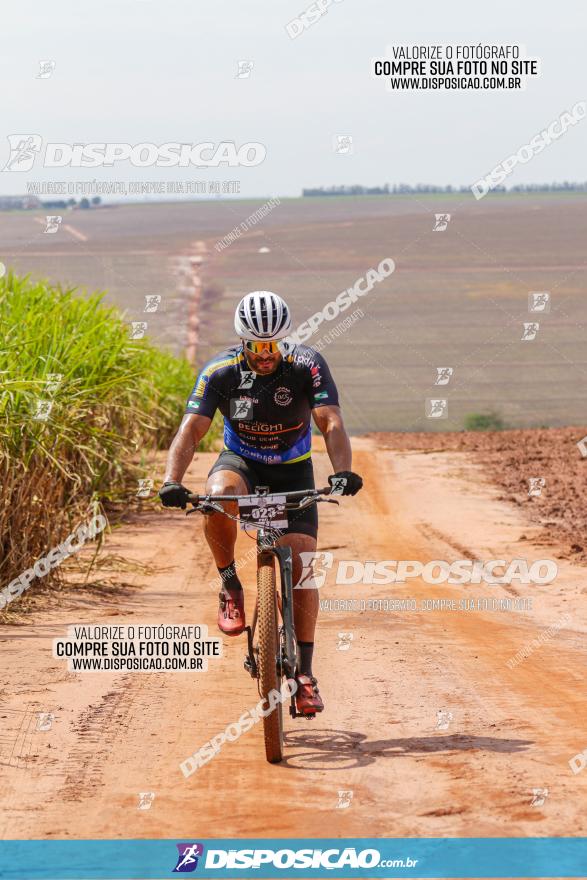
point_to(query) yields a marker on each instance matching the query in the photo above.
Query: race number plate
(266, 511)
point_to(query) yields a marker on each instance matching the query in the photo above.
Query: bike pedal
(250, 667)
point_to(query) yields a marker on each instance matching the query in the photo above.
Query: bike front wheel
(269, 648)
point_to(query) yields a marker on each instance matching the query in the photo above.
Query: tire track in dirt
(188, 268)
(96, 732)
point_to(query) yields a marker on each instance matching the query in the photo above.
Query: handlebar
(298, 500)
(289, 496)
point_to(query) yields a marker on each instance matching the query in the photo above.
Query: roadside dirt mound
(512, 459)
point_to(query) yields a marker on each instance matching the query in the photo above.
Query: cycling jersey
(266, 417)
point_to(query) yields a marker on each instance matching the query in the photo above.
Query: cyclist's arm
(185, 442)
(329, 422)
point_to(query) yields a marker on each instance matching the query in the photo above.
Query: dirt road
(471, 771)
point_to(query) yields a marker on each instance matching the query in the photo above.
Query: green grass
(115, 399)
(483, 422)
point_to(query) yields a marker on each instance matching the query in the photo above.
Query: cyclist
(267, 389)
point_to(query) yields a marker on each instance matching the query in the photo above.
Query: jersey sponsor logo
(255, 446)
(264, 428)
(193, 404)
(247, 379)
(321, 395)
(282, 396)
(250, 397)
(305, 360)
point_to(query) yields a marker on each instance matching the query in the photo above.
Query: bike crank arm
(250, 663)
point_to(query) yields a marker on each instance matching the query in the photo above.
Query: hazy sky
(145, 71)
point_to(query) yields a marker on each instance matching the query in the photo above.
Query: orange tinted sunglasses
(256, 347)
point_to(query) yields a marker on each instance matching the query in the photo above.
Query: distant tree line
(84, 203)
(400, 188)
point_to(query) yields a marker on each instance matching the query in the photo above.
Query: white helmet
(262, 315)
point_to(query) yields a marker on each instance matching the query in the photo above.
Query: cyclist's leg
(230, 475)
(305, 598)
(219, 530)
(300, 535)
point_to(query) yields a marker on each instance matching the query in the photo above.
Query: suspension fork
(284, 559)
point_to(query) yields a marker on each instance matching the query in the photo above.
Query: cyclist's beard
(264, 364)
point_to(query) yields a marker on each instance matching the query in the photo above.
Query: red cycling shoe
(308, 699)
(231, 612)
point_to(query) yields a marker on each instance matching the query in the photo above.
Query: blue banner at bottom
(294, 857)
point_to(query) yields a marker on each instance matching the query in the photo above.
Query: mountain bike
(272, 658)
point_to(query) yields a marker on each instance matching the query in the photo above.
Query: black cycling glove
(345, 483)
(174, 495)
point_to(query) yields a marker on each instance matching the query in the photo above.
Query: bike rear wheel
(269, 648)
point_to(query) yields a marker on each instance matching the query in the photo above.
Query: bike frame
(266, 547)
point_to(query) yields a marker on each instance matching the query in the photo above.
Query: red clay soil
(511, 458)
(116, 734)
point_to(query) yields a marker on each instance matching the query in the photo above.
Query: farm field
(458, 298)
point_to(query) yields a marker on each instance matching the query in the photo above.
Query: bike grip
(193, 498)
